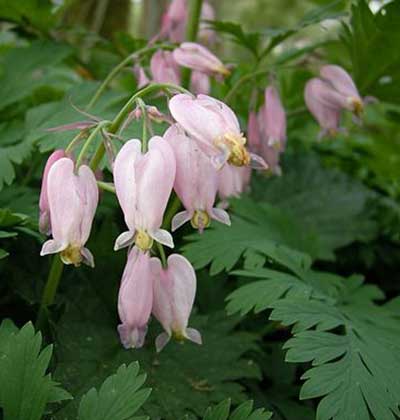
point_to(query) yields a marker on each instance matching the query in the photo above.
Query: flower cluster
(201, 155)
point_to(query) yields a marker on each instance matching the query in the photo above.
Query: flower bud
(141, 77)
(195, 184)
(72, 199)
(197, 57)
(174, 290)
(143, 183)
(135, 299)
(44, 209)
(214, 127)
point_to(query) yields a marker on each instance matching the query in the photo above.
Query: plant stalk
(191, 34)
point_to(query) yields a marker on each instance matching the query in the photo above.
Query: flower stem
(114, 72)
(89, 140)
(191, 33)
(143, 110)
(174, 206)
(50, 289)
(162, 255)
(106, 186)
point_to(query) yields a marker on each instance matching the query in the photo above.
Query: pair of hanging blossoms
(202, 143)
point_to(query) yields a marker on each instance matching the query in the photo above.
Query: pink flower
(135, 299)
(199, 83)
(197, 57)
(316, 95)
(142, 79)
(275, 119)
(343, 85)
(72, 199)
(253, 132)
(206, 35)
(173, 25)
(232, 181)
(143, 184)
(174, 293)
(44, 213)
(164, 68)
(215, 128)
(195, 184)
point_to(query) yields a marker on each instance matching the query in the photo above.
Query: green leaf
(353, 343)
(378, 34)
(25, 388)
(26, 69)
(37, 13)
(243, 412)
(119, 397)
(305, 192)
(249, 40)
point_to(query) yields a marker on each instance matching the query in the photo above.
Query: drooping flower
(344, 86)
(233, 181)
(196, 182)
(316, 96)
(174, 293)
(215, 128)
(275, 119)
(164, 68)
(72, 198)
(197, 57)
(44, 213)
(143, 183)
(141, 76)
(135, 299)
(174, 22)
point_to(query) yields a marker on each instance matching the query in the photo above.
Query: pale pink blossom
(275, 119)
(199, 83)
(199, 58)
(73, 198)
(143, 183)
(324, 111)
(344, 86)
(173, 296)
(196, 182)
(44, 209)
(141, 76)
(215, 128)
(135, 299)
(173, 22)
(233, 181)
(164, 68)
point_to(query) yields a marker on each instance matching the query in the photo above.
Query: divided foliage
(352, 342)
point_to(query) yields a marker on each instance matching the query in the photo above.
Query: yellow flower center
(143, 241)
(178, 335)
(200, 219)
(236, 144)
(72, 255)
(358, 106)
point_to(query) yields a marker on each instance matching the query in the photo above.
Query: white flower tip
(163, 237)
(87, 257)
(179, 220)
(161, 341)
(194, 336)
(132, 338)
(124, 240)
(52, 247)
(221, 216)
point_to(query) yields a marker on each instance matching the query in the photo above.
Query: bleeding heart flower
(343, 85)
(164, 68)
(232, 181)
(135, 299)
(316, 95)
(215, 128)
(195, 184)
(141, 77)
(44, 213)
(275, 119)
(197, 57)
(207, 35)
(173, 296)
(72, 199)
(143, 184)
